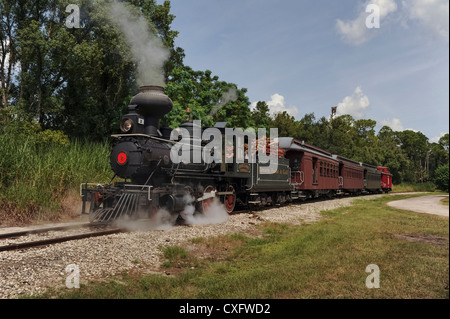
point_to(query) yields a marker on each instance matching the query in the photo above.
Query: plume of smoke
(215, 214)
(161, 220)
(165, 220)
(229, 96)
(147, 49)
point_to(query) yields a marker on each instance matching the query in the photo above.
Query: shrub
(441, 177)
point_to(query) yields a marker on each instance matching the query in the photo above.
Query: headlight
(126, 125)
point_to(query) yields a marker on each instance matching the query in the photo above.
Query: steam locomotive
(151, 180)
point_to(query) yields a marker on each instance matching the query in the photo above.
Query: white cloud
(355, 31)
(354, 105)
(433, 14)
(277, 104)
(395, 124)
(437, 138)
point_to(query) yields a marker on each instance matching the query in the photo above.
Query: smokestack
(152, 104)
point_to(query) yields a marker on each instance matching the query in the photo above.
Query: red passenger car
(314, 172)
(386, 179)
(351, 175)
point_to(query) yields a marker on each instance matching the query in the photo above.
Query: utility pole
(333, 112)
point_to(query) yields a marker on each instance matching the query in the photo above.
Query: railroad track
(97, 233)
(53, 240)
(12, 246)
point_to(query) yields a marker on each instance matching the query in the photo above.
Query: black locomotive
(141, 157)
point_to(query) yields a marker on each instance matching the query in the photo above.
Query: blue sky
(306, 56)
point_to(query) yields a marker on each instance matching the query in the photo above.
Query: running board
(296, 195)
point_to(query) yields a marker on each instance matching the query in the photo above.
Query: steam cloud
(161, 220)
(228, 96)
(147, 49)
(164, 220)
(215, 214)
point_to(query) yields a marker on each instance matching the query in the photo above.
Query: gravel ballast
(34, 270)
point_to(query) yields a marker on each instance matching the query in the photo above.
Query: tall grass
(36, 174)
(414, 187)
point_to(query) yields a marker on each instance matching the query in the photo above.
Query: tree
(444, 142)
(8, 54)
(208, 99)
(286, 124)
(366, 149)
(41, 47)
(438, 154)
(261, 116)
(80, 79)
(342, 136)
(416, 147)
(308, 130)
(392, 156)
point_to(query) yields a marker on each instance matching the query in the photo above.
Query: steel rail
(56, 240)
(47, 229)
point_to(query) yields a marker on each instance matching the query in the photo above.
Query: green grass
(444, 201)
(326, 259)
(177, 257)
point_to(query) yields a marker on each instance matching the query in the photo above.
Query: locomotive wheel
(229, 200)
(189, 194)
(205, 204)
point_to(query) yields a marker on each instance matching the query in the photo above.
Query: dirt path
(424, 204)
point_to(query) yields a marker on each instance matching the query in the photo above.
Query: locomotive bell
(152, 104)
